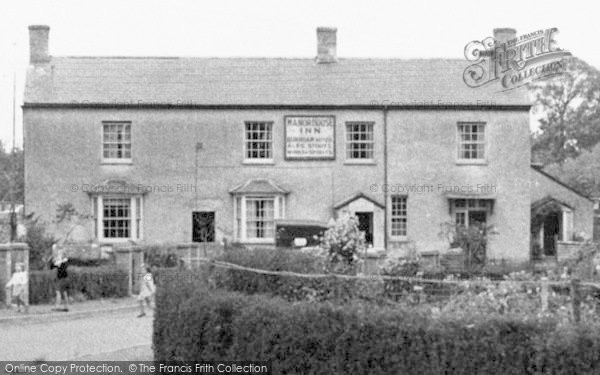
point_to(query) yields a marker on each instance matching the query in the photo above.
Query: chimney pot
(504, 34)
(38, 44)
(326, 44)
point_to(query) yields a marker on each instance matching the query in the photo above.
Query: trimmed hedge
(323, 338)
(291, 288)
(89, 282)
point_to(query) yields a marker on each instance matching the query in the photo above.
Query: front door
(365, 224)
(551, 231)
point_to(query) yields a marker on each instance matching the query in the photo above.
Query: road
(108, 336)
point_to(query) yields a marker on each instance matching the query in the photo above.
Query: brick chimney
(502, 35)
(326, 45)
(38, 44)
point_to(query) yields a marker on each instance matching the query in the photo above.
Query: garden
(314, 311)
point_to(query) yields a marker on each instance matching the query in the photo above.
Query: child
(17, 288)
(147, 289)
(60, 262)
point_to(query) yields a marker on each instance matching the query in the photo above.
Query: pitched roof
(258, 81)
(356, 196)
(538, 168)
(258, 186)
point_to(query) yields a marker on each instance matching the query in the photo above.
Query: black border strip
(320, 107)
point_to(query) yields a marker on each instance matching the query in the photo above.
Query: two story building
(168, 149)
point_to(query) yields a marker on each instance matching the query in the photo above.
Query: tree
(7, 160)
(569, 108)
(581, 173)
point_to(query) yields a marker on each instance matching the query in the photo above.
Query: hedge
(86, 282)
(291, 288)
(324, 338)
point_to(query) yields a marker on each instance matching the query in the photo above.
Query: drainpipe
(385, 178)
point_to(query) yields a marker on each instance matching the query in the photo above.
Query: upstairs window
(399, 216)
(116, 141)
(359, 141)
(471, 141)
(259, 141)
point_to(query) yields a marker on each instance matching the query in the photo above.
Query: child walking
(16, 288)
(147, 289)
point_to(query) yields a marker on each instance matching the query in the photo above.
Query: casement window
(399, 216)
(471, 141)
(469, 211)
(258, 144)
(359, 141)
(117, 218)
(255, 217)
(116, 141)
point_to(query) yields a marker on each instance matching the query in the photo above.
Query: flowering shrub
(343, 241)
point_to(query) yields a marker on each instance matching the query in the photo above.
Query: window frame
(270, 142)
(136, 223)
(370, 125)
(459, 143)
(466, 209)
(110, 160)
(240, 217)
(398, 237)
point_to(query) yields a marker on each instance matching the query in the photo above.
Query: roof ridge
(117, 57)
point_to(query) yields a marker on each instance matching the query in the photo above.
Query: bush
(361, 338)
(87, 282)
(161, 256)
(40, 244)
(292, 288)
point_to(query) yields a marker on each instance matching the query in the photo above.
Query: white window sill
(116, 162)
(258, 162)
(471, 162)
(109, 241)
(398, 239)
(360, 162)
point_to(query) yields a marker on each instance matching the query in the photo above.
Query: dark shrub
(40, 244)
(161, 256)
(91, 282)
(356, 338)
(293, 288)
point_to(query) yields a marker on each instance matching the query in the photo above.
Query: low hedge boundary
(87, 282)
(195, 323)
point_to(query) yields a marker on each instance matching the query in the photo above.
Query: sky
(270, 28)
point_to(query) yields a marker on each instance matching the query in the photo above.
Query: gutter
(385, 177)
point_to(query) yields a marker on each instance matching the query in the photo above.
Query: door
(365, 224)
(203, 226)
(551, 231)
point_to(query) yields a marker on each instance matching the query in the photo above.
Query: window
(203, 226)
(255, 217)
(359, 141)
(399, 216)
(471, 141)
(117, 217)
(259, 141)
(469, 211)
(116, 141)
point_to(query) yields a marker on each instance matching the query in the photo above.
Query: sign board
(309, 137)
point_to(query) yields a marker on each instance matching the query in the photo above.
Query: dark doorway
(365, 224)
(551, 231)
(477, 218)
(203, 226)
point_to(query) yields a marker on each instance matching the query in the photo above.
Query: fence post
(544, 294)
(576, 300)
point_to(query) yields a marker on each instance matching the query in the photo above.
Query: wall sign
(309, 137)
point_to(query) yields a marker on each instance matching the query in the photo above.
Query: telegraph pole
(11, 184)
